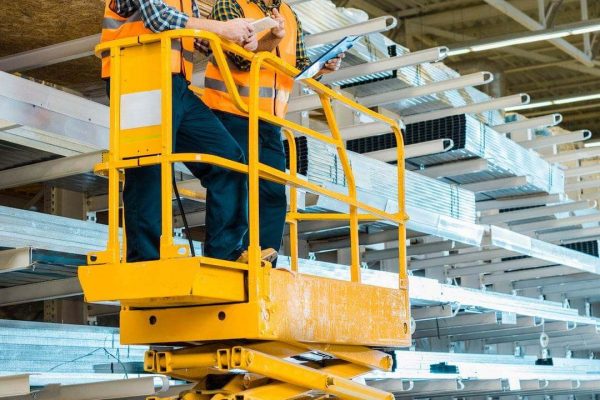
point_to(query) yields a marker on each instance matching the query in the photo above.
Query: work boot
(268, 255)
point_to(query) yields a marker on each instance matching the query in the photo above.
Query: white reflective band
(141, 109)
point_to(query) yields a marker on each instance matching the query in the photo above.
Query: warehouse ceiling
(542, 69)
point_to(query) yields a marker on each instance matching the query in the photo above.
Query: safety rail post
(293, 221)
(254, 250)
(113, 156)
(349, 174)
(402, 268)
(166, 239)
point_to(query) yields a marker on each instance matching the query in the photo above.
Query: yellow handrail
(358, 211)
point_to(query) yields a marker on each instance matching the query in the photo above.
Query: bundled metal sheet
(42, 348)
(22, 228)
(377, 47)
(320, 164)
(474, 139)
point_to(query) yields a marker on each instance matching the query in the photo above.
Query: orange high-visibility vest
(275, 88)
(116, 27)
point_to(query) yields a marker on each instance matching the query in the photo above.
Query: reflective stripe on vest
(116, 27)
(215, 84)
(275, 88)
(114, 23)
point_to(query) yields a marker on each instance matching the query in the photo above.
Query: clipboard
(340, 47)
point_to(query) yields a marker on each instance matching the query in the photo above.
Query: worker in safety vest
(287, 42)
(195, 129)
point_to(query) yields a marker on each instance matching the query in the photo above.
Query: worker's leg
(200, 131)
(141, 199)
(273, 202)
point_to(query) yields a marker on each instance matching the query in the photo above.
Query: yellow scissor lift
(246, 324)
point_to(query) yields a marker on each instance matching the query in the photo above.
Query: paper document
(264, 24)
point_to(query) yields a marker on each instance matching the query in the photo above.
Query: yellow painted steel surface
(179, 299)
(293, 307)
(198, 283)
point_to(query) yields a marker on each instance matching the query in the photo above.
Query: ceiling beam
(50, 55)
(462, 15)
(531, 24)
(513, 51)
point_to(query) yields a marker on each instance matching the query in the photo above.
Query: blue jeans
(272, 199)
(195, 130)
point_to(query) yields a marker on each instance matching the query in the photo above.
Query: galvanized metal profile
(524, 201)
(413, 250)
(568, 156)
(14, 385)
(38, 106)
(555, 223)
(482, 331)
(496, 184)
(567, 287)
(557, 331)
(118, 389)
(363, 130)
(49, 170)
(537, 274)
(570, 235)
(536, 212)
(375, 25)
(528, 246)
(529, 123)
(382, 99)
(442, 388)
(582, 171)
(15, 259)
(536, 281)
(582, 185)
(388, 64)
(304, 103)
(50, 55)
(55, 289)
(549, 141)
(472, 256)
(413, 150)
(476, 108)
(433, 312)
(457, 168)
(500, 266)
(511, 333)
(461, 321)
(489, 366)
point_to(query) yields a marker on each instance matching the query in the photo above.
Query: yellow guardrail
(358, 210)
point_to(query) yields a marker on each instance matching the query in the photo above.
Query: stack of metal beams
(320, 164)
(66, 353)
(474, 139)
(377, 47)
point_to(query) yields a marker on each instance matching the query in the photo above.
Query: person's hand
(203, 46)
(238, 30)
(333, 65)
(251, 43)
(278, 31)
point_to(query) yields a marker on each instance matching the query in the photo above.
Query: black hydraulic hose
(183, 217)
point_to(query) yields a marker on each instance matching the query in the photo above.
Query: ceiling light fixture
(578, 28)
(547, 103)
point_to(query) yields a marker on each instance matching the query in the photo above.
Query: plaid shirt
(225, 10)
(157, 16)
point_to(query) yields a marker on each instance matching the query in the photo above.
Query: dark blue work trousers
(272, 199)
(196, 129)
